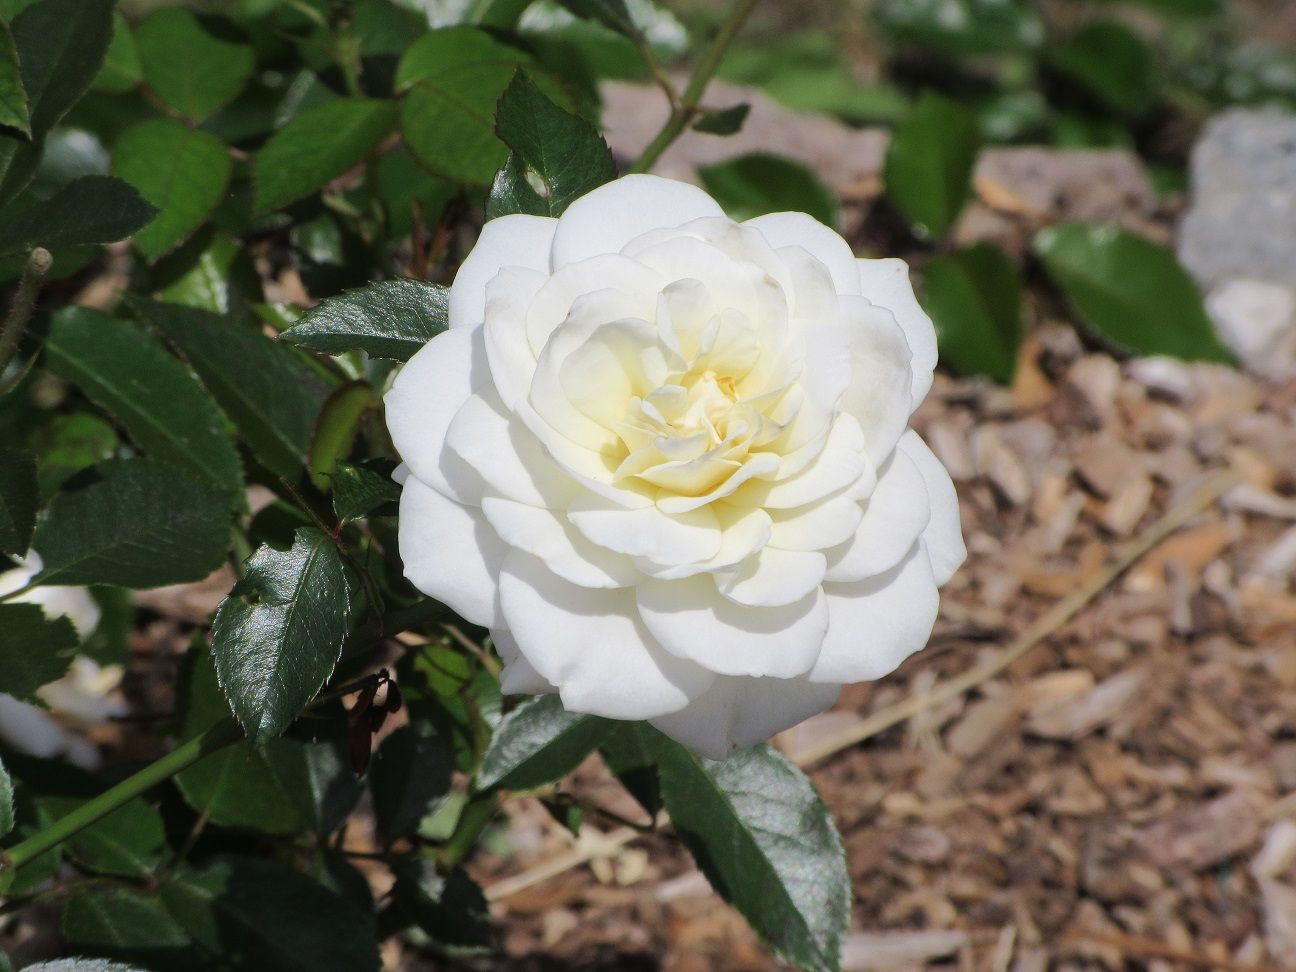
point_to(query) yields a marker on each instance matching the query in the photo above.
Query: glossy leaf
(128, 373)
(929, 162)
(13, 99)
(767, 844)
(537, 743)
(974, 299)
(365, 490)
(409, 777)
(629, 752)
(278, 635)
(180, 170)
(61, 46)
(132, 523)
(243, 906)
(89, 210)
(190, 68)
(450, 909)
(317, 146)
(565, 153)
(452, 79)
(1112, 62)
(19, 496)
(6, 801)
(1131, 291)
(272, 395)
(755, 184)
(127, 925)
(388, 319)
(34, 650)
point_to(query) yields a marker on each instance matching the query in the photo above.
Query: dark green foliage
(388, 319)
(34, 650)
(19, 495)
(974, 299)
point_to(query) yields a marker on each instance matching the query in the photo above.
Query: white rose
(82, 698)
(664, 458)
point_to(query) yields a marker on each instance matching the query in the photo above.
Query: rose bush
(664, 457)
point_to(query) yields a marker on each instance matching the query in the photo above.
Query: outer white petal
(879, 394)
(691, 619)
(509, 241)
(32, 731)
(875, 624)
(772, 577)
(824, 244)
(593, 646)
(895, 515)
(451, 553)
(73, 602)
(943, 535)
(680, 538)
(818, 526)
(605, 220)
(547, 534)
(422, 402)
(508, 299)
(518, 676)
(886, 283)
(841, 463)
(506, 455)
(740, 712)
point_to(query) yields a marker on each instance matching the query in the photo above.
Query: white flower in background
(81, 699)
(664, 458)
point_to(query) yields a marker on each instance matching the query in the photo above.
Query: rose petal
(605, 220)
(691, 619)
(838, 465)
(879, 393)
(508, 350)
(450, 553)
(943, 535)
(678, 538)
(886, 284)
(547, 535)
(818, 526)
(895, 515)
(518, 676)
(875, 624)
(739, 712)
(825, 245)
(509, 241)
(743, 532)
(592, 645)
(773, 577)
(422, 402)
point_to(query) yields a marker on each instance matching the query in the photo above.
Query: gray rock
(1242, 219)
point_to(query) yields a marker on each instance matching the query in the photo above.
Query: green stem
(479, 812)
(222, 734)
(683, 113)
(15, 326)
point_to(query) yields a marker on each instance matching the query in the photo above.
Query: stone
(1257, 320)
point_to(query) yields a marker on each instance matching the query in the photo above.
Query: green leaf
(409, 778)
(6, 801)
(726, 121)
(962, 27)
(121, 69)
(279, 633)
(61, 46)
(180, 170)
(450, 909)
(132, 523)
(365, 490)
(190, 68)
(318, 146)
(212, 273)
(89, 210)
(609, 13)
(244, 786)
(129, 373)
(929, 162)
(767, 844)
(1112, 63)
(388, 319)
(132, 926)
(974, 299)
(452, 79)
(1132, 292)
(13, 99)
(565, 153)
(68, 444)
(629, 753)
(18, 500)
(246, 912)
(537, 743)
(34, 651)
(759, 183)
(271, 393)
(80, 965)
(129, 842)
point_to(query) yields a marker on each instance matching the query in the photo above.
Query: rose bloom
(663, 456)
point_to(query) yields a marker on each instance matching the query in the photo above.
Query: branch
(15, 326)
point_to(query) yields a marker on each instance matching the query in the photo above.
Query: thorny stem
(15, 326)
(224, 733)
(682, 113)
